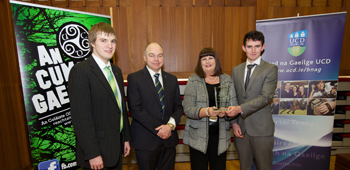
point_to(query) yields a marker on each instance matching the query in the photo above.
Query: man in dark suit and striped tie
(98, 108)
(155, 105)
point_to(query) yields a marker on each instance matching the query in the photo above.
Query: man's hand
(233, 111)
(164, 131)
(237, 130)
(126, 148)
(96, 163)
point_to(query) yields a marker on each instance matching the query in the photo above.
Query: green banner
(49, 42)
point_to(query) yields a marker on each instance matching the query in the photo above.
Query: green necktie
(115, 91)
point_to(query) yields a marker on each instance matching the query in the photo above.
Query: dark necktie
(160, 91)
(249, 69)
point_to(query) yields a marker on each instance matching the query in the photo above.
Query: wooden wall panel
(217, 2)
(110, 3)
(120, 22)
(153, 2)
(345, 57)
(165, 27)
(93, 3)
(189, 39)
(60, 3)
(125, 3)
(206, 28)
(185, 2)
(169, 3)
(218, 34)
(14, 148)
(201, 3)
(43, 2)
(77, 3)
(228, 39)
(140, 34)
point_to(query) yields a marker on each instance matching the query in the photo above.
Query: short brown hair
(99, 28)
(208, 51)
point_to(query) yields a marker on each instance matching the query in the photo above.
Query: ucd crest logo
(297, 43)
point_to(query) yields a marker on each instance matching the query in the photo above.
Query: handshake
(231, 111)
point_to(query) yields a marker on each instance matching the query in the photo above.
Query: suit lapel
(257, 70)
(241, 77)
(101, 77)
(150, 84)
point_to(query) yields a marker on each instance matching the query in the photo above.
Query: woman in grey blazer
(207, 132)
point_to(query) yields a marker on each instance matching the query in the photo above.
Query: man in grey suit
(255, 83)
(98, 108)
(155, 105)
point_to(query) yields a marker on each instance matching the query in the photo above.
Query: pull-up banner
(307, 52)
(49, 42)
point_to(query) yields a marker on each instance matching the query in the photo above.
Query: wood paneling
(60, 3)
(14, 148)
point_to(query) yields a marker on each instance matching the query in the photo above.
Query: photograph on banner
(307, 51)
(275, 106)
(323, 89)
(321, 107)
(290, 106)
(294, 89)
(278, 90)
(49, 42)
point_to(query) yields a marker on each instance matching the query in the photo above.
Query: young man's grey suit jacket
(255, 101)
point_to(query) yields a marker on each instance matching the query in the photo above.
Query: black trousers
(199, 160)
(119, 166)
(161, 158)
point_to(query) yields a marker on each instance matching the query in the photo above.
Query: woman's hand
(213, 112)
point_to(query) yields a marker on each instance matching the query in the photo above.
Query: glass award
(221, 98)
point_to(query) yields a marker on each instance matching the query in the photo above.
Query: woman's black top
(211, 96)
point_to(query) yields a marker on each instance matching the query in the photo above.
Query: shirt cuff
(172, 121)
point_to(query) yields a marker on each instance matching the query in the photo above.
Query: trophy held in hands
(221, 98)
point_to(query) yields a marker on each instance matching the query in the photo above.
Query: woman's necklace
(212, 80)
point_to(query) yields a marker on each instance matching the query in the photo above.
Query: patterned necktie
(160, 91)
(250, 66)
(115, 91)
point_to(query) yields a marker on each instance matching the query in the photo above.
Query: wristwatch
(172, 126)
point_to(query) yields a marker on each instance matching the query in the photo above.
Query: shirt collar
(151, 72)
(257, 61)
(100, 63)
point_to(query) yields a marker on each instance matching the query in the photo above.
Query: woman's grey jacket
(197, 129)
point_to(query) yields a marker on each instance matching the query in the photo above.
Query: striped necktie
(115, 91)
(160, 91)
